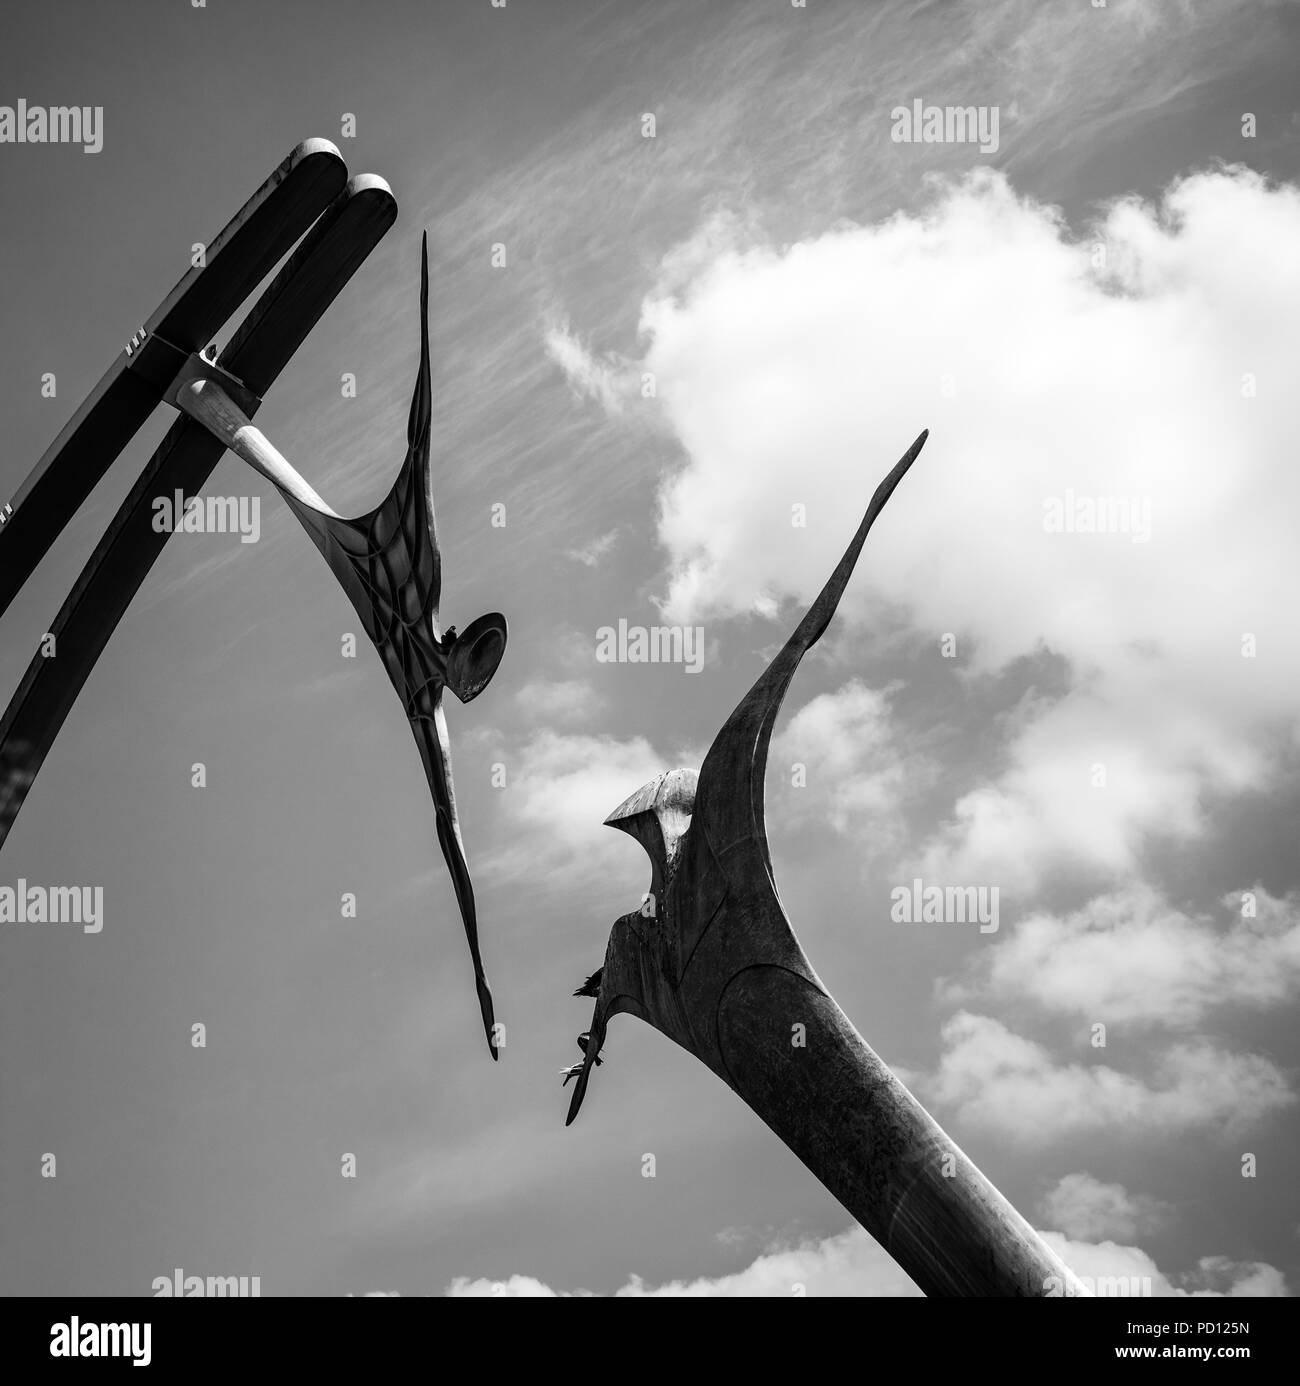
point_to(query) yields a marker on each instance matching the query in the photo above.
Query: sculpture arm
(435, 752)
(729, 796)
(833, 1100)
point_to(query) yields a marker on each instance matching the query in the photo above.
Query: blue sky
(807, 295)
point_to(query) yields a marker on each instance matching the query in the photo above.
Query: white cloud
(515, 1287)
(1100, 1265)
(851, 1264)
(1080, 1206)
(855, 769)
(560, 788)
(993, 1079)
(558, 700)
(1131, 956)
(799, 375)
(572, 650)
(589, 555)
(1220, 1275)
(1103, 1263)
(604, 380)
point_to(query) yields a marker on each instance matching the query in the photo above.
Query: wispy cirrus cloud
(605, 380)
(590, 554)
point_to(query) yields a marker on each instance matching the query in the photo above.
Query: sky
(705, 340)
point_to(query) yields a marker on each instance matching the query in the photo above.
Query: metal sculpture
(387, 561)
(356, 216)
(711, 961)
(309, 182)
(389, 564)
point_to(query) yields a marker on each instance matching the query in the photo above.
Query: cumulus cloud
(993, 1079)
(514, 1287)
(854, 769)
(1111, 1268)
(1086, 1208)
(559, 789)
(1220, 1275)
(1143, 359)
(851, 1264)
(1175, 966)
(558, 700)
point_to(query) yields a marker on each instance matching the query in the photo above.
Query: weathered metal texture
(389, 564)
(717, 968)
(292, 304)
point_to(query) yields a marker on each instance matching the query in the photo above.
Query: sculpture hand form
(712, 962)
(389, 565)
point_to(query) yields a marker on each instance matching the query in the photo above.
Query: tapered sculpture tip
(488, 1013)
